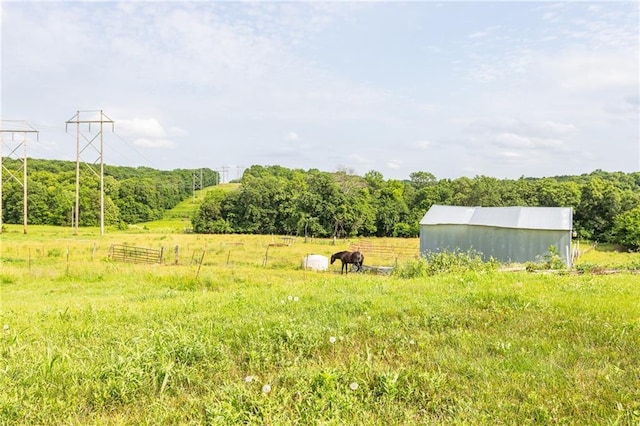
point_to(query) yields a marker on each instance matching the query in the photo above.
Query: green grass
(187, 207)
(88, 341)
(605, 256)
(178, 219)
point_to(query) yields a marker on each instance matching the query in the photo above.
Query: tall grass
(94, 342)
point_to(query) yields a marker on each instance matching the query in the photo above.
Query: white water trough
(315, 262)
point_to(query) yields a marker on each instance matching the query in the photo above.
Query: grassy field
(250, 337)
(178, 219)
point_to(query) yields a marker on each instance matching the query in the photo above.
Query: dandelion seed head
(412, 342)
(295, 299)
(6, 327)
(266, 388)
(290, 298)
(353, 386)
(332, 339)
(249, 379)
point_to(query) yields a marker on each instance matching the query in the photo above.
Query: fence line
(384, 250)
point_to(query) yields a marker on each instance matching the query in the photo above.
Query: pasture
(230, 329)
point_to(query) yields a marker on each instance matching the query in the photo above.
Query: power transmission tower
(83, 131)
(225, 174)
(21, 129)
(197, 183)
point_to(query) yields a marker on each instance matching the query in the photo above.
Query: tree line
(278, 200)
(132, 194)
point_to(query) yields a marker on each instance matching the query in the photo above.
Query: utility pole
(22, 129)
(83, 132)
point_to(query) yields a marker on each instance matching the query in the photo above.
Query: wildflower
(332, 339)
(6, 327)
(249, 379)
(353, 386)
(266, 388)
(412, 342)
(290, 298)
(295, 299)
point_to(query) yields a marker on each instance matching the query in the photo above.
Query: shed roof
(555, 218)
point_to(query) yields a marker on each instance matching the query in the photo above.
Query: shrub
(549, 261)
(627, 229)
(444, 262)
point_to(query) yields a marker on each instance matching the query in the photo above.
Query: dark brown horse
(348, 257)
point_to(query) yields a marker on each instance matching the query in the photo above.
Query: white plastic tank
(315, 262)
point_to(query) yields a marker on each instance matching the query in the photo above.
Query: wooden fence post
(200, 264)
(266, 257)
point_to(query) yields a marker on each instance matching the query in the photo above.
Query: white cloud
(394, 164)
(177, 131)
(154, 143)
(478, 34)
(510, 155)
(142, 127)
(512, 140)
(291, 136)
(555, 128)
(360, 160)
(421, 145)
(148, 132)
(583, 71)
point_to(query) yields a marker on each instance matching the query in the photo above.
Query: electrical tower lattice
(84, 140)
(21, 129)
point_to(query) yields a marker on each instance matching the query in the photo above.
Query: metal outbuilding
(508, 234)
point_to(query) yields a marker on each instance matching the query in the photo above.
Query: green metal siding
(504, 244)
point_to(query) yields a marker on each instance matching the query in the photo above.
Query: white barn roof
(556, 218)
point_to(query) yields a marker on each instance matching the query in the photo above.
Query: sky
(501, 89)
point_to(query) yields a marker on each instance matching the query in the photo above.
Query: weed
(444, 262)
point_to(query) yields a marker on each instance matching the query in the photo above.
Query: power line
(130, 146)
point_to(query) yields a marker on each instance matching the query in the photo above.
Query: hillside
(178, 219)
(131, 194)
